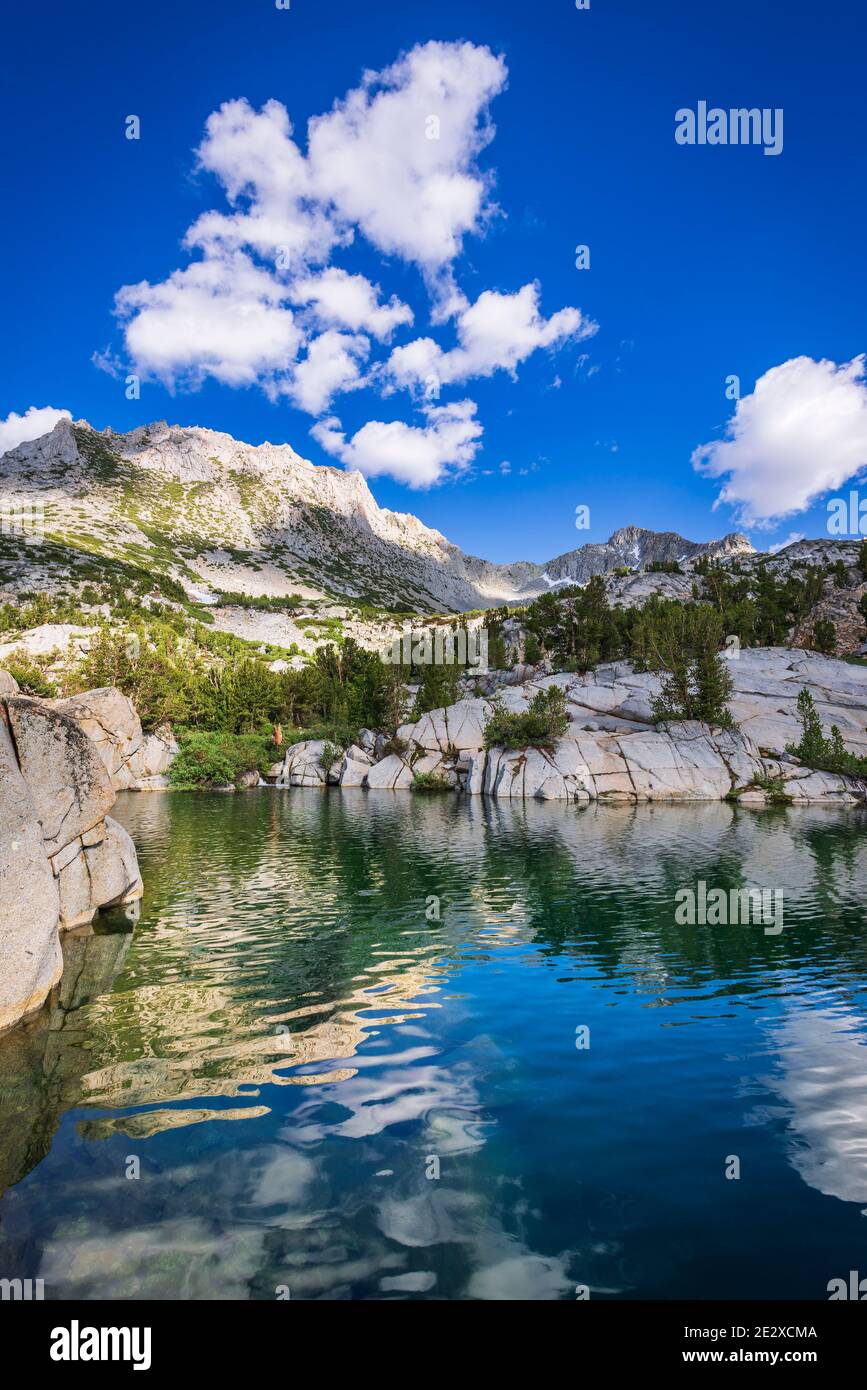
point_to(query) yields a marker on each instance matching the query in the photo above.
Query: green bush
(430, 782)
(774, 789)
(42, 608)
(817, 751)
(32, 680)
(400, 746)
(539, 726)
(330, 753)
(824, 636)
(218, 759)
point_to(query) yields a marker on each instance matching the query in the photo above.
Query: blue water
(333, 1087)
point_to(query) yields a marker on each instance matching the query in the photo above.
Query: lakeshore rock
(302, 766)
(68, 782)
(62, 858)
(30, 957)
(391, 773)
(110, 721)
(355, 766)
(613, 751)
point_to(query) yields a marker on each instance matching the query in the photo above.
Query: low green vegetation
(539, 726)
(773, 787)
(430, 782)
(219, 759)
(329, 755)
(817, 751)
(35, 609)
(263, 603)
(30, 676)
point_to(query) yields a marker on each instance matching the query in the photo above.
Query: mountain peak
(209, 510)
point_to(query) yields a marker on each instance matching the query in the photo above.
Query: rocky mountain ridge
(218, 515)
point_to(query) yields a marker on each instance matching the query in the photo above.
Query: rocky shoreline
(62, 857)
(62, 762)
(612, 750)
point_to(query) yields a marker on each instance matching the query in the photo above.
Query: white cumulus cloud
(331, 365)
(349, 301)
(397, 157)
(223, 316)
(268, 184)
(36, 420)
(801, 433)
(496, 333)
(395, 162)
(417, 456)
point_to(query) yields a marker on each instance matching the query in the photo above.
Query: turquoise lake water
(339, 1048)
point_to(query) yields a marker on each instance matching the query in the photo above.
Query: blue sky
(705, 262)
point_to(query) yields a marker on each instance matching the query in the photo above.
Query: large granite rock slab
(108, 717)
(391, 773)
(30, 956)
(302, 765)
(111, 723)
(460, 727)
(153, 759)
(62, 768)
(354, 767)
(113, 867)
(62, 858)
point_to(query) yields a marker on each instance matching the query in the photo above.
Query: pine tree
(713, 688)
(812, 745)
(825, 636)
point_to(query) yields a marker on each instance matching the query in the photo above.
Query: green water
(339, 1049)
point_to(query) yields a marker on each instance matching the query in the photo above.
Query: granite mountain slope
(218, 515)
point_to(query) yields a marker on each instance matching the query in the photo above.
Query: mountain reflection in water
(331, 997)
